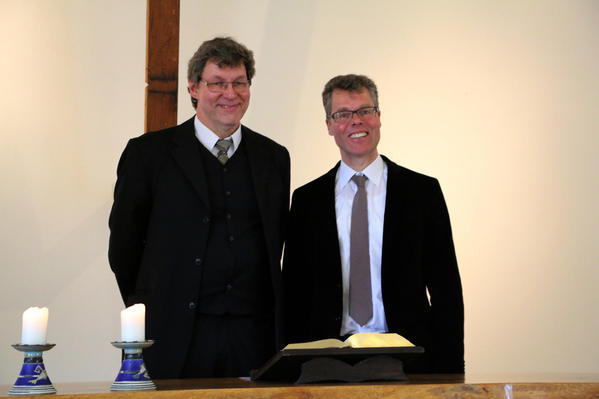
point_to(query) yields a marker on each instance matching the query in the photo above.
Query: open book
(359, 340)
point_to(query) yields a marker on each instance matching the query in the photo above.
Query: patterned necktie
(360, 292)
(223, 146)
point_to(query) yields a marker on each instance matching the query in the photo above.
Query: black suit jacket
(159, 226)
(417, 257)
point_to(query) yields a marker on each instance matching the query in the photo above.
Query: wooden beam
(162, 64)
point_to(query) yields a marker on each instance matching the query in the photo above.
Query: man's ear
(328, 122)
(192, 88)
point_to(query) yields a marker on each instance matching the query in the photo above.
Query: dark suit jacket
(417, 256)
(159, 225)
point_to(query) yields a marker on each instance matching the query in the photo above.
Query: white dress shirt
(345, 190)
(208, 138)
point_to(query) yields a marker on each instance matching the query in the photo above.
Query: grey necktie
(223, 146)
(360, 293)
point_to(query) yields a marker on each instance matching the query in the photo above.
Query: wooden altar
(420, 386)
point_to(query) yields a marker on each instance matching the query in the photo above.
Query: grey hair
(225, 52)
(353, 83)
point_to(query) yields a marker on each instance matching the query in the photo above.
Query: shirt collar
(374, 172)
(208, 138)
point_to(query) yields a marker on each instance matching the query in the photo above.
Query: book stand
(305, 366)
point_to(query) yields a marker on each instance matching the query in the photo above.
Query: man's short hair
(353, 83)
(225, 52)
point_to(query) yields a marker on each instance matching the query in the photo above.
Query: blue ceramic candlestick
(33, 379)
(133, 375)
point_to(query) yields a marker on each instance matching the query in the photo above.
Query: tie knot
(360, 180)
(223, 145)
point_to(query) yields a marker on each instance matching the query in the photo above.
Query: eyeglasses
(240, 86)
(364, 113)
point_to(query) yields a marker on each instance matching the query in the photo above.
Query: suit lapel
(329, 215)
(185, 152)
(394, 225)
(329, 257)
(261, 163)
(327, 227)
(258, 160)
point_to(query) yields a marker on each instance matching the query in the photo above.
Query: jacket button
(229, 287)
(228, 193)
(197, 261)
(192, 305)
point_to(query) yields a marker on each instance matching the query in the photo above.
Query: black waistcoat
(235, 271)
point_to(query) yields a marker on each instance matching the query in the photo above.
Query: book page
(377, 340)
(322, 343)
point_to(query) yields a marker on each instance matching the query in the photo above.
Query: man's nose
(356, 119)
(230, 91)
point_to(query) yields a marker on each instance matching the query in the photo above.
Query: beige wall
(497, 99)
(71, 93)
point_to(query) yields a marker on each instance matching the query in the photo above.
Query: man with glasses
(370, 246)
(197, 227)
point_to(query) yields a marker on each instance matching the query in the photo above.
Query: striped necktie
(223, 146)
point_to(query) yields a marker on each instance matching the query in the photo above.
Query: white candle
(35, 325)
(133, 323)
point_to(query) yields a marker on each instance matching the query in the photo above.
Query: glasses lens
(221, 87)
(365, 111)
(342, 115)
(216, 87)
(240, 87)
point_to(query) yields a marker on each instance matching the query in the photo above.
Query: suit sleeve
(286, 173)
(129, 219)
(445, 289)
(297, 273)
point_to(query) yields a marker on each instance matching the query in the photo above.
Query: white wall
(497, 99)
(71, 93)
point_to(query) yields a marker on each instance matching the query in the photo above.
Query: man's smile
(228, 106)
(358, 135)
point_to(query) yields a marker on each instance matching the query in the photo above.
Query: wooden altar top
(419, 386)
